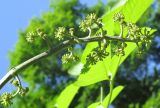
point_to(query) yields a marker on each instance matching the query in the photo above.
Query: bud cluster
(62, 33)
(6, 98)
(140, 36)
(31, 36)
(41, 33)
(89, 21)
(118, 17)
(22, 91)
(133, 29)
(96, 55)
(69, 57)
(118, 49)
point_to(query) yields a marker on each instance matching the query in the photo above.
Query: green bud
(15, 83)
(23, 91)
(118, 17)
(133, 28)
(96, 55)
(40, 33)
(110, 75)
(60, 33)
(84, 25)
(71, 31)
(92, 59)
(67, 58)
(91, 17)
(89, 21)
(99, 21)
(6, 99)
(119, 48)
(30, 37)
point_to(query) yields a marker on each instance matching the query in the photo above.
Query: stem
(54, 50)
(121, 34)
(111, 84)
(19, 81)
(101, 95)
(20, 85)
(90, 32)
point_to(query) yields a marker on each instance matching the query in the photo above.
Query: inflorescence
(6, 98)
(91, 24)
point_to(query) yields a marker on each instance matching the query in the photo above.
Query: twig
(18, 88)
(11, 73)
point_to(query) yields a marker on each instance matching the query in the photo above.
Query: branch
(11, 73)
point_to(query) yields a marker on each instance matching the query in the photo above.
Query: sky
(14, 16)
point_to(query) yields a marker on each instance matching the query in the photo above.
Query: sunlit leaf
(132, 10)
(66, 96)
(96, 72)
(115, 93)
(114, 65)
(87, 50)
(76, 69)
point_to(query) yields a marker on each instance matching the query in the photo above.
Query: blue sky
(14, 16)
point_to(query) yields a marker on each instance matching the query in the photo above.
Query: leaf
(131, 16)
(96, 72)
(114, 64)
(132, 10)
(76, 69)
(66, 96)
(87, 50)
(126, 7)
(115, 93)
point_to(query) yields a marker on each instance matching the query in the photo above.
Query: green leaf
(67, 95)
(111, 66)
(96, 72)
(132, 10)
(115, 93)
(76, 69)
(114, 64)
(87, 50)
